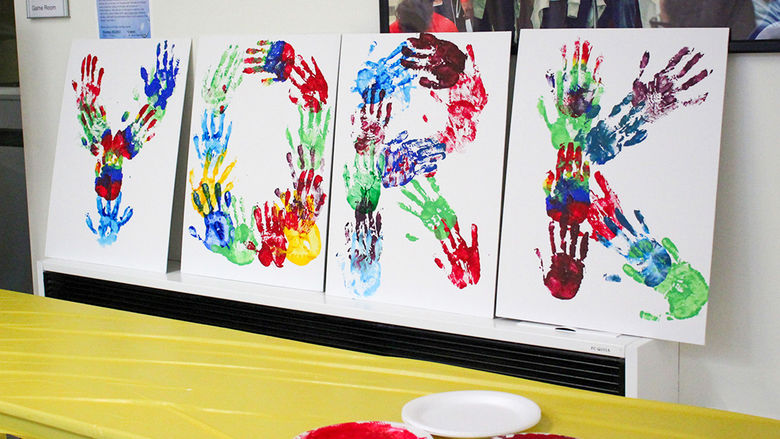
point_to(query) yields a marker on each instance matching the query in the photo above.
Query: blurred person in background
(419, 16)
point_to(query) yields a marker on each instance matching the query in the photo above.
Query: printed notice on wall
(123, 18)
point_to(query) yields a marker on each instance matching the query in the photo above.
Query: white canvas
(654, 99)
(115, 159)
(262, 98)
(446, 95)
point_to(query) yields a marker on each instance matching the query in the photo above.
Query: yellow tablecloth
(69, 370)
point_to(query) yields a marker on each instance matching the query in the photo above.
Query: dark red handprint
(443, 59)
(567, 268)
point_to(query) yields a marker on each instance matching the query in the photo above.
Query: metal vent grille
(556, 366)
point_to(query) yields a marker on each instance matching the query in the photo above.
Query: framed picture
(754, 24)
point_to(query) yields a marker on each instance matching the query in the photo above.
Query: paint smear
(360, 430)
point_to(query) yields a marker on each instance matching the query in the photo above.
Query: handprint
(312, 133)
(623, 127)
(110, 222)
(270, 224)
(373, 120)
(567, 268)
(310, 85)
(684, 288)
(364, 185)
(576, 93)
(213, 140)
(405, 159)
(304, 202)
(385, 78)
(463, 258)
(275, 58)
(433, 211)
(568, 198)
(465, 101)
(441, 58)
(159, 85)
(218, 89)
(659, 96)
(207, 198)
(648, 262)
(601, 207)
(361, 267)
(91, 116)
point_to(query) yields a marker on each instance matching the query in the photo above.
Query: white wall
(737, 370)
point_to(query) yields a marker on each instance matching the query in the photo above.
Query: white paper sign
(47, 8)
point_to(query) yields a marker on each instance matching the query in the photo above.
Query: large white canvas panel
(418, 164)
(115, 159)
(260, 101)
(614, 232)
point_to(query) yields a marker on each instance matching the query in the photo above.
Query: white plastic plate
(471, 413)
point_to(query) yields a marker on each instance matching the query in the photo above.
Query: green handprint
(363, 187)
(577, 92)
(238, 252)
(312, 132)
(433, 211)
(218, 88)
(684, 287)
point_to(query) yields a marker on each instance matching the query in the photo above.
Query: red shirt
(439, 23)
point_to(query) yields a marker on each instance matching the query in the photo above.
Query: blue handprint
(364, 249)
(623, 127)
(648, 260)
(159, 86)
(219, 227)
(385, 78)
(213, 140)
(110, 221)
(406, 159)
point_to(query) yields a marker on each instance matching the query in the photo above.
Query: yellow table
(69, 370)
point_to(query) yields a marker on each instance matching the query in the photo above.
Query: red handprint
(603, 206)
(270, 224)
(464, 259)
(92, 118)
(465, 101)
(310, 85)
